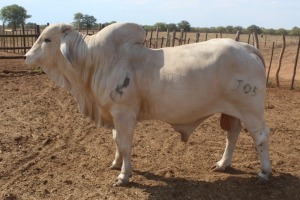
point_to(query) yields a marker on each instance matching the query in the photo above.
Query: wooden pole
(173, 38)
(255, 40)
(295, 66)
(162, 42)
(156, 38)
(237, 36)
(145, 41)
(265, 40)
(24, 39)
(2, 44)
(181, 37)
(249, 35)
(270, 63)
(14, 41)
(168, 38)
(150, 40)
(38, 30)
(206, 36)
(280, 60)
(197, 37)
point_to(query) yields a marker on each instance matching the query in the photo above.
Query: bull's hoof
(121, 183)
(217, 168)
(263, 178)
(115, 167)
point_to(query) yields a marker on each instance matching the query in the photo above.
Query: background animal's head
(51, 46)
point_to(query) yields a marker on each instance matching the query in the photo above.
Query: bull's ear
(65, 28)
(65, 48)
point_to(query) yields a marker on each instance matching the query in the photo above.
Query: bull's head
(51, 47)
(52, 51)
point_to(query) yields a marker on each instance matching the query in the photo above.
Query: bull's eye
(47, 40)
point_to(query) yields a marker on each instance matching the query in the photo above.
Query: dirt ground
(48, 150)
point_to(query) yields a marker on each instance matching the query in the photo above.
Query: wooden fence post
(295, 66)
(156, 38)
(237, 36)
(14, 41)
(145, 41)
(162, 42)
(197, 37)
(255, 40)
(168, 38)
(280, 60)
(38, 31)
(24, 39)
(265, 40)
(150, 40)
(206, 36)
(270, 63)
(249, 35)
(181, 36)
(173, 38)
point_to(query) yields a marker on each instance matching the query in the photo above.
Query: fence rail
(18, 41)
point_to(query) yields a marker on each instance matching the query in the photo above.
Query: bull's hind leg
(260, 134)
(233, 127)
(261, 142)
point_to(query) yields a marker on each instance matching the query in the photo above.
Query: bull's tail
(256, 51)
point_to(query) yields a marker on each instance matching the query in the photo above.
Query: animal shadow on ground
(281, 186)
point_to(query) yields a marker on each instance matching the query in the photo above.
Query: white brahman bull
(117, 82)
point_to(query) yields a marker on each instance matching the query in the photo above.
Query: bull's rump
(195, 81)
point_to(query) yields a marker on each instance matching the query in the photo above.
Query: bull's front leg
(117, 163)
(124, 121)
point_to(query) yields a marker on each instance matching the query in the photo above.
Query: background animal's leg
(261, 142)
(124, 123)
(117, 163)
(233, 127)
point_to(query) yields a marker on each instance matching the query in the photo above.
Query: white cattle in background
(117, 82)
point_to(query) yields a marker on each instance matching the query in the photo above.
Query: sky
(199, 13)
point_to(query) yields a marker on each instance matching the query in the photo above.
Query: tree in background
(89, 21)
(78, 18)
(15, 15)
(237, 28)
(161, 26)
(229, 29)
(84, 21)
(282, 31)
(295, 31)
(221, 29)
(254, 29)
(172, 27)
(185, 25)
